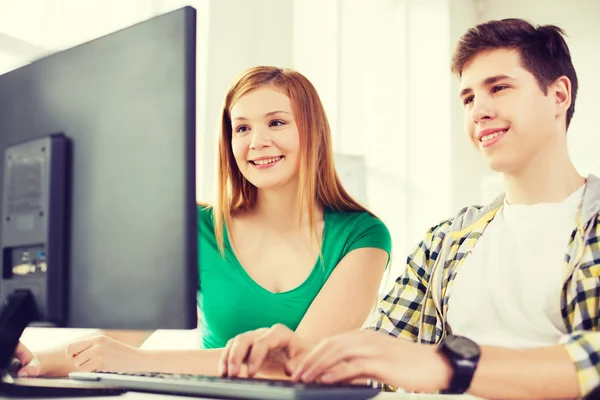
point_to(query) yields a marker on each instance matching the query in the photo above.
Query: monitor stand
(19, 310)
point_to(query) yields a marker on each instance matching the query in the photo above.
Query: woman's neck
(282, 207)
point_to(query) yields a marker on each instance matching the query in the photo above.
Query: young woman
(284, 242)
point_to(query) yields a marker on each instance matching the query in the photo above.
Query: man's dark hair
(544, 52)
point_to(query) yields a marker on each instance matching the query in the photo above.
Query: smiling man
(501, 301)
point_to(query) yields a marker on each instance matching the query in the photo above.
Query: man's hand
(260, 350)
(30, 363)
(372, 355)
(102, 353)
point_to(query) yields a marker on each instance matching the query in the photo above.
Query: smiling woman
(284, 242)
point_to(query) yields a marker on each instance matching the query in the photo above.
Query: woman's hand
(102, 353)
(30, 365)
(264, 350)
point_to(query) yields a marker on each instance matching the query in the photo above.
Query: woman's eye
(241, 129)
(277, 123)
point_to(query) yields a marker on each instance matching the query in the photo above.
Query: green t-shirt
(231, 302)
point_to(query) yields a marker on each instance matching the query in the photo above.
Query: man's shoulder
(463, 219)
(593, 227)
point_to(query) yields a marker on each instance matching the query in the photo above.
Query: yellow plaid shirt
(417, 306)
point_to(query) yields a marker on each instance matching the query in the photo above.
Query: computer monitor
(98, 209)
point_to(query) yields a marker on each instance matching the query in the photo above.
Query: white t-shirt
(507, 292)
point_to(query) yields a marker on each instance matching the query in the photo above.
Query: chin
(504, 166)
(267, 180)
(497, 167)
(264, 184)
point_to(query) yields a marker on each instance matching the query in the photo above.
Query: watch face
(463, 346)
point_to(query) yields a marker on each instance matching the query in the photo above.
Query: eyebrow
(487, 82)
(269, 114)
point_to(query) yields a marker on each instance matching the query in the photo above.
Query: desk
(382, 396)
(154, 396)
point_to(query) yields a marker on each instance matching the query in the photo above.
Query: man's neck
(550, 177)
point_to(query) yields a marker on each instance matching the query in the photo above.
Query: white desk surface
(154, 396)
(383, 396)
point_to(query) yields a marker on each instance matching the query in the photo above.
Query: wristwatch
(463, 355)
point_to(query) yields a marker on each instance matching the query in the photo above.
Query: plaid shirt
(416, 308)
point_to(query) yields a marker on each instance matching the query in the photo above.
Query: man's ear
(560, 90)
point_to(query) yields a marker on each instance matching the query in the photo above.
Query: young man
(501, 301)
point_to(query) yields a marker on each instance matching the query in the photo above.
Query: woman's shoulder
(205, 208)
(363, 218)
(360, 228)
(205, 215)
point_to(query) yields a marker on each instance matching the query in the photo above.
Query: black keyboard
(233, 388)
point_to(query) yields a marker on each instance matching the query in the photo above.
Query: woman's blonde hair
(317, 174)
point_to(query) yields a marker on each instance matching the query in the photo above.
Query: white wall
(8, 61)
(430, 156)
(467, 166)
(53, 24)
(381, 70)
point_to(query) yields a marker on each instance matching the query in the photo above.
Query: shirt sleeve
(584, 349)
(400, 310)
(583, 344)
(370, 231)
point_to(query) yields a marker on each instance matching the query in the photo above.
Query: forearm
(197, 362)
(54, 360)
(547, 373)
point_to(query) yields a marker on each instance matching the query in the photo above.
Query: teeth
(492, 136)
(267, 161)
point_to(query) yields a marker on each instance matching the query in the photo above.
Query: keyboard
(233, 388)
